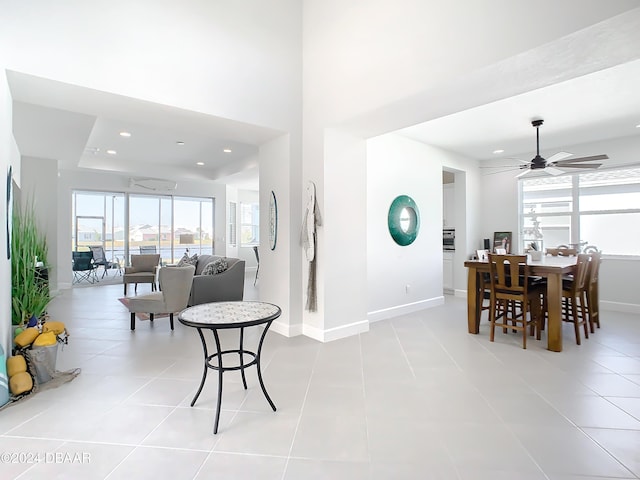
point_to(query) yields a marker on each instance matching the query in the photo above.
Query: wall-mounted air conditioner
(155, 184)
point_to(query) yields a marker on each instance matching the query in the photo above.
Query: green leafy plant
(29, 291)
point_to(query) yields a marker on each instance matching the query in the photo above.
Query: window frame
(255, 227)
(574, 213)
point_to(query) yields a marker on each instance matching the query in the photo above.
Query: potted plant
(29, 282)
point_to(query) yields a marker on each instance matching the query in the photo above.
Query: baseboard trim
(336, 333)
(286, 330)
(391, 312)
(620, 307)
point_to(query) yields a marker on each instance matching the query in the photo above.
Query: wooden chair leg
(576, 322)
(133, 321)
(585, 320)
(492, 319)
(525, 332)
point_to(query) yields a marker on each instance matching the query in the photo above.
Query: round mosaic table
(227, 315)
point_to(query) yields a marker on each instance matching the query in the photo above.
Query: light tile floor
(414, 398)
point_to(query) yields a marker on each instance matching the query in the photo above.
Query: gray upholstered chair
(175, 286)
(142, 270)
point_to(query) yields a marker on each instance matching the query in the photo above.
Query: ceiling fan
(554, 163)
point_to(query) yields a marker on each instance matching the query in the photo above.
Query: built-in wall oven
(449, 239)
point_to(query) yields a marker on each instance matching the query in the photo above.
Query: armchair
(175, 285)
(142, 270)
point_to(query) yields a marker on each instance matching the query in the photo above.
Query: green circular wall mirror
(403, 220)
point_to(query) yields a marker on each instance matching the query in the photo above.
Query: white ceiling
(591, 108)
(76, 126)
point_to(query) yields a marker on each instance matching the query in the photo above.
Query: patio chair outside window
(100, 260)
(83, 267)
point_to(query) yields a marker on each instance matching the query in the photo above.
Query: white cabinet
(447, 272)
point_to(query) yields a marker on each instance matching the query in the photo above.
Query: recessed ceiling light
(112, 152)
(125, 134)
(227, 150)
(180, 142)
(498, 151)
(200, 163)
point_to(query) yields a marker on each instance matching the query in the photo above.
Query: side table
(226, 315)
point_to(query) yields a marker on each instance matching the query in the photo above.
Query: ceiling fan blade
(502, 166)
(511, 168)
(580, 159)
(622, 165)
(558, 156)
(526, 172)
(553, 171)
(582, 165)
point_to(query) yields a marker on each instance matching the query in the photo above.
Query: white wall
(403, 279)
(237, 60)
(342, 238)
(7, 158)
(279, 280)
(39, 188)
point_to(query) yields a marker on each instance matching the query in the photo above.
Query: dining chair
(512, 284)
(574, 297)
(561, 251)
(593, 306)
(567, 251)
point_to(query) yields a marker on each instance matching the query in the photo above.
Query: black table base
(241, 352)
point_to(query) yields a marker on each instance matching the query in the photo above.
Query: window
(193, 226)
(170, 225)
(232, 224)
(249, 224)
(599, 208)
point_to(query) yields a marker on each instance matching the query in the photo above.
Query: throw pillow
(187, 260)
(215, 267)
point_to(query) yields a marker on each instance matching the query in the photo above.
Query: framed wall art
(403, 220)
(502, 240)
(273, 221)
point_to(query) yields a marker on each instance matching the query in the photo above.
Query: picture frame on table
(483, 255)
(502, 240)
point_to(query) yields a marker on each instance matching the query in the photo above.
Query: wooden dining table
(552, 268)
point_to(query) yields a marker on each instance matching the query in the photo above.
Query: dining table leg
(473, 305)
(554, 307)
